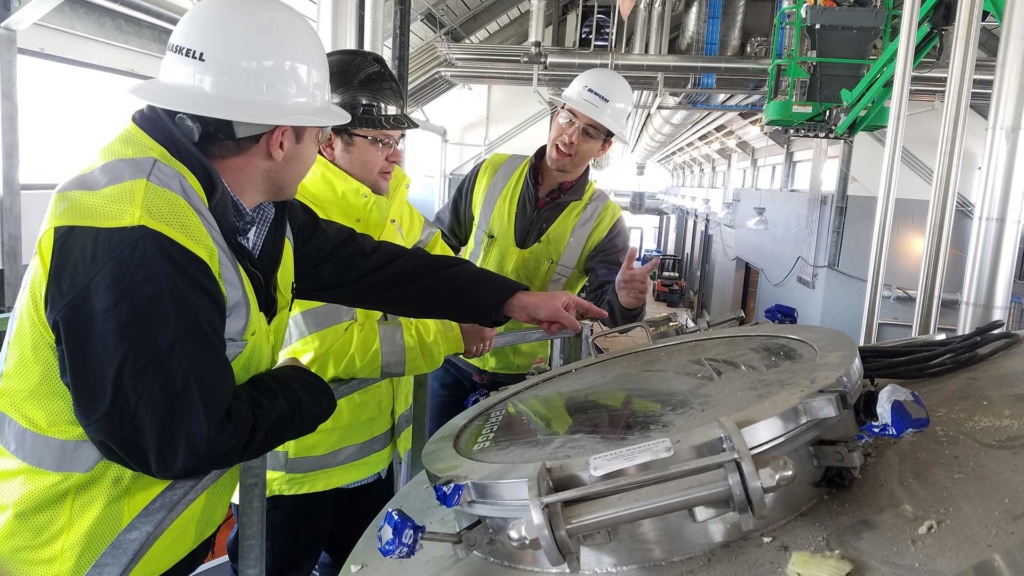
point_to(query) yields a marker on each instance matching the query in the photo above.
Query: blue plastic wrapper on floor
(900, 412)
(448, 495)
(398, 536)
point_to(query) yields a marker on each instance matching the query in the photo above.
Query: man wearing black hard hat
(324, 489)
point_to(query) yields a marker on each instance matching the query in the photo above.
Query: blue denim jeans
(450, 387)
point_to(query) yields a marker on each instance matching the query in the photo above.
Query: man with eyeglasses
(324, 489)
(541, 221)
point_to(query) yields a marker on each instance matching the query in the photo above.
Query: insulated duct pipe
(156, 12)
(947, 173)
(891, 170)
(995, 237)
(373, 26)
(337, 23)
(664, 126)
(641, 25)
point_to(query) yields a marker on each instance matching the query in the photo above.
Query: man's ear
(604, 148)
(328, 150)
(278, 140)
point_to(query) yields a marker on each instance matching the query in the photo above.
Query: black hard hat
(364, 86)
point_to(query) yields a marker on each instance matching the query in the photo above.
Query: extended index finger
(627, 264)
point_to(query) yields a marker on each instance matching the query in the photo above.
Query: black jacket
(138, 322)
(455, 219)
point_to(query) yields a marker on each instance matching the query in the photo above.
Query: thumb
(627, 264)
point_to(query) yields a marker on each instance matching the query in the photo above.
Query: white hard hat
(252, 62)
(602, 94)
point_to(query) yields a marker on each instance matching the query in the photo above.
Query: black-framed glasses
(568, 121)
(385, 146)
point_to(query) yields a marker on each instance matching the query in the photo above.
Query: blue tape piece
(448, 495)
(398, 536)
(476, 397)
(900, 412)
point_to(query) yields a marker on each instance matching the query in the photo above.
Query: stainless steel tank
(651, 455)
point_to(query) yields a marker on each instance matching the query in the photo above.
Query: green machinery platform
(824, 81)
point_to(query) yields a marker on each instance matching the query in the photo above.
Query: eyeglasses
(568, 121)
(323, 135)
(385, 146)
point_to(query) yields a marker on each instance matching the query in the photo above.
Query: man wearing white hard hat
(143, 344)
(541, 221)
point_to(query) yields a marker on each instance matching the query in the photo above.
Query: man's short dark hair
(227, 149)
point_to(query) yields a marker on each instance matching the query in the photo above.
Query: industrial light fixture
(759, 222)
(727, 214)
(731, 142)
(716, 144)
(705, 149)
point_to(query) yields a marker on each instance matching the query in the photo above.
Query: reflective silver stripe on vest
(577, 241)
(81, 456)
(426, 235)
(404, 422)
(343, 388)
(392, 348)
(309, 322)
(278, 461)
(501, 179)
(45, 452)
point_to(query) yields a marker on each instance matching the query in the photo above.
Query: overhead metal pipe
(947, 167)
(537, 9)
(667, 63)
(995, 237)
(641, 25)
(890, 169)
(373, 26)
(337, 23)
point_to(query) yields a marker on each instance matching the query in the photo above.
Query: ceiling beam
(27, 14)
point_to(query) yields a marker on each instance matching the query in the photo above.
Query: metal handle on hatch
(558, 519)
(620, 330)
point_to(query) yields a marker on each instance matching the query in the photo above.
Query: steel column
(890, 169)
(997, 219)
(10, 158)
(400, 46)
(337, 23)
(839, 205)
(947, 167)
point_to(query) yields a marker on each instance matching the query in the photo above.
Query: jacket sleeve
(455, 219)
(151, 384)
(602, 267)
(336, 264)
(371, 346)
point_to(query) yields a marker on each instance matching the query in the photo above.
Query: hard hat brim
(195, 100)
(618, 132)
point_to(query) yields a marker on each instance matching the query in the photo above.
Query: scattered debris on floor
(356, 567)
(767, 539)
(928, 526)
(808, 564)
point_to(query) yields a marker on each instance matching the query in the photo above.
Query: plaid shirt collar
(559, 191)
(252, 225)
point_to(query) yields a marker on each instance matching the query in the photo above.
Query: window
(66, 114)
(830, 175)
(765, 176)
(802, 175)
(720, 179)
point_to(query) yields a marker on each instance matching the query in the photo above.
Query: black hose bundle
(930, 358)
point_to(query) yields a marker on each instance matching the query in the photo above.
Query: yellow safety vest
(338, 342)
(61, 502)
(556, 262)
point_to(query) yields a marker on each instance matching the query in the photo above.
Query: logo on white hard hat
(185, 51)
(596, 93)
